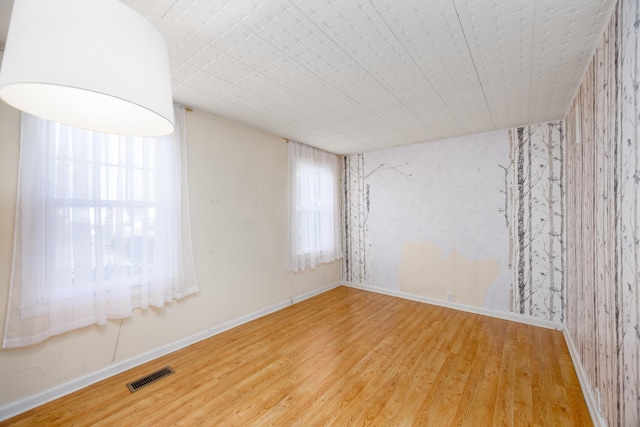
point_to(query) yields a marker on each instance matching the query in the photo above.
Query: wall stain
(425, 270)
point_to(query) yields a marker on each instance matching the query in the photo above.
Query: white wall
(435, 224)
(476, 220)
(238, 201)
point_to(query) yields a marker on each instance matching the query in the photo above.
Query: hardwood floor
(346, 357)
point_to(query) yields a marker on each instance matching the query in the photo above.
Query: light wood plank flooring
(346, 357)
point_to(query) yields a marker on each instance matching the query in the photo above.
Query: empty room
(320, 212)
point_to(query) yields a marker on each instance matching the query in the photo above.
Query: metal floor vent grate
(149, 379)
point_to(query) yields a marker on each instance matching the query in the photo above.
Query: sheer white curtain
(102, 228)
(314, 220)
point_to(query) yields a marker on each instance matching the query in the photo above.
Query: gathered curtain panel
(314, 207)
(102, 228)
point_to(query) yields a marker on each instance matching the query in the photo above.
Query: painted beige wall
(238, 200)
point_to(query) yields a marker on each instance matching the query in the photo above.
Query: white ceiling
(358, 75)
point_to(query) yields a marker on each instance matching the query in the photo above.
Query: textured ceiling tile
(248, 12)
(358, 75)
(216, 27)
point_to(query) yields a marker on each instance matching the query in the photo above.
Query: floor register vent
(149, 379)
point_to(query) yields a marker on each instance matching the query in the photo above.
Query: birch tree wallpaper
(534, 205)
(603, 216)
(355, 211)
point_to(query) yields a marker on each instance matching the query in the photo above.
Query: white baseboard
(462, 307)
(587, 390)
(20, 406)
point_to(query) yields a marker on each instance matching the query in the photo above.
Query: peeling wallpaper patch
(425, 270)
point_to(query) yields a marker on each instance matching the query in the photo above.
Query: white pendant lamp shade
(93, 64)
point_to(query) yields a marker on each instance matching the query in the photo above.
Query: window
(314, 235)
(101, 228)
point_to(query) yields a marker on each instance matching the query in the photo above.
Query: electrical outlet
(449, 296)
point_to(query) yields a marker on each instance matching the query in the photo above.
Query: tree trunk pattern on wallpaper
(534, 205)
(602, 223)
(355, 210)
(563, 236)
(520, 278)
